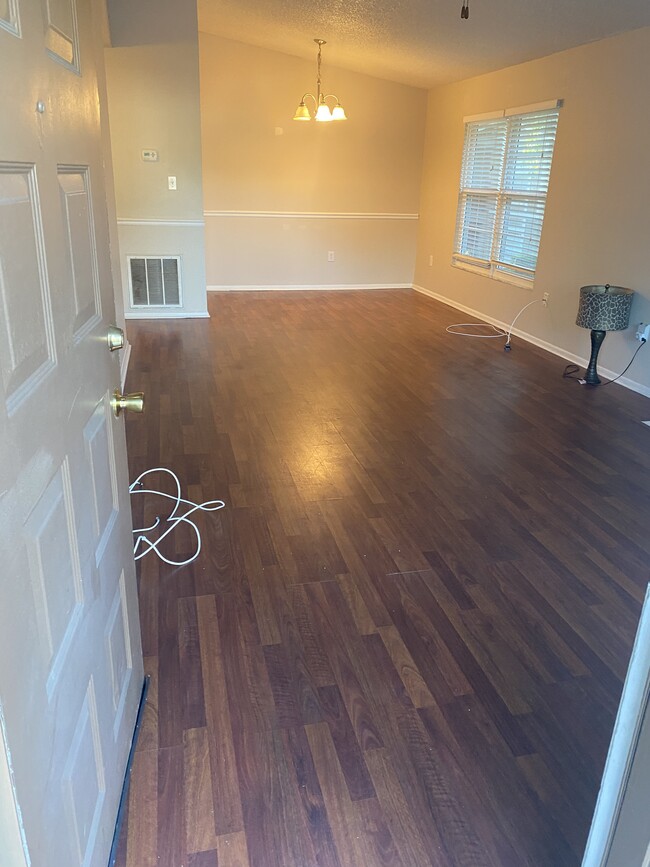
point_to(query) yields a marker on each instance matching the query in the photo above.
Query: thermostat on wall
(150, 156)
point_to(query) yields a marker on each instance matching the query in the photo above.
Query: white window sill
(492, 273)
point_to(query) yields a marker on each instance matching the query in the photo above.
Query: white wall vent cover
(155, 281)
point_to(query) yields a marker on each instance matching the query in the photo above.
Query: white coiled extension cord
(498, 332)
(143, 545)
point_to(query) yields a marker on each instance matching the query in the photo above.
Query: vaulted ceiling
(422, 42)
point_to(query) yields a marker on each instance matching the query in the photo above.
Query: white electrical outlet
(171, 182)
(330, 256)
(545, 298)
(643, 333)
(430, 261)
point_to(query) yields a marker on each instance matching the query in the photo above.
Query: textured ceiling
(421, 42)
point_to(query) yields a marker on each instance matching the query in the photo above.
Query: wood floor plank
(284, 686)
(142, 837)
(247, 680)
(356, 604)
(170, 807)
(316, 660)
(276, 832)
(351, 840)
(191, 675)
(406, 667)
(232, 850)
(400, 819)
(298, 750)
(225, 784)
(202, 859)
(197, 785)
(327, 616)
(346, 745)
(404, 640)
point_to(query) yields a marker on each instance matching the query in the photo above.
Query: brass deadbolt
(115, 338)
(127, 402)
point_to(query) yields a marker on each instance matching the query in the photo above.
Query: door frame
(622, 748)
(12, 837)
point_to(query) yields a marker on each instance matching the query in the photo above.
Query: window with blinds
(504, 181)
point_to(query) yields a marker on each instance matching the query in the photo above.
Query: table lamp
(602, 308)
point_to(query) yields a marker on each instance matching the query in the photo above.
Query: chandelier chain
(318, 84)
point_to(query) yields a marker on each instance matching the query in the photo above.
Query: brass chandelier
(323, 111)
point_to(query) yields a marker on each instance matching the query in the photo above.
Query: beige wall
(153, 97)
(152, 22)
(596, 224)
(257, 159)
(153, 103)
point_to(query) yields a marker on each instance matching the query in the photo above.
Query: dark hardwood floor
(404, 641)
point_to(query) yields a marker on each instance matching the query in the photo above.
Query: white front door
(70, 658)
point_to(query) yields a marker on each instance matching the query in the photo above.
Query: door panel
(27, 352)
(9, 16)
(61, 36)
(55, 575)
(76, 208)
(70, 658)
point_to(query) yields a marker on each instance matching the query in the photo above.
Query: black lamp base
(591, 376)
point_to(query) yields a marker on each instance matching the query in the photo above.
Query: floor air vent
(155, 281)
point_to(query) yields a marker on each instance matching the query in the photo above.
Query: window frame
(493, 267)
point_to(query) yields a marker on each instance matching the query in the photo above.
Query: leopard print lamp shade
(604, 308)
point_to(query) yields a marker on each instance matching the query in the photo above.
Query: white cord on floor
(499, 332)
(141, 542)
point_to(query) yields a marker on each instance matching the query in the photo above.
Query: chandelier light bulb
(323, 113)
(302, 112)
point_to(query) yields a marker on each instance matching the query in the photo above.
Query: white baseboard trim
(124, 363)
(316, 287)
(150, 314)
(536, 341)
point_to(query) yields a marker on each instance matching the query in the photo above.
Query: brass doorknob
(127, 402)
(115, 338)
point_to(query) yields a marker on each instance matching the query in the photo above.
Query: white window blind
(504, 181)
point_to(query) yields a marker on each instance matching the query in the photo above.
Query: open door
(70, 659)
